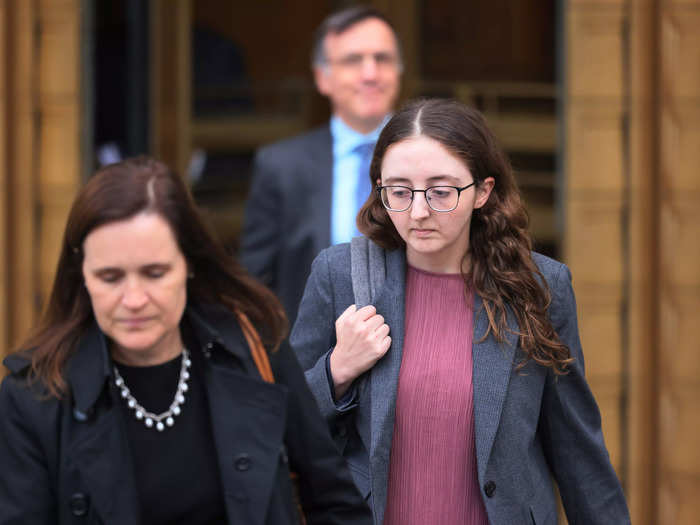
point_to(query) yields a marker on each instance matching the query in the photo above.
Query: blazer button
(489, 489)
(79, 504)
(242, 462)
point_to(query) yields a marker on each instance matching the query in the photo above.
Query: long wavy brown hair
(500, 265)
(118, 192)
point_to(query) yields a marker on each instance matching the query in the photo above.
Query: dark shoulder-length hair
(501, 269)
(118, 192)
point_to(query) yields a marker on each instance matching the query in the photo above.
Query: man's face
(361, 74)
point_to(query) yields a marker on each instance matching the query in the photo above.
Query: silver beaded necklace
(165, 418)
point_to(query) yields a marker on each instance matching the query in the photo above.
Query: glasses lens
(442, 198)
(396, 198)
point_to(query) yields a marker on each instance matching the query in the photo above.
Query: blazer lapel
(321, 173)
(492, 365)
(384, 378)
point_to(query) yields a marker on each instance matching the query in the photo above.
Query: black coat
(288, 213)
(67, 461)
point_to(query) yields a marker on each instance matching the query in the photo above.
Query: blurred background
(596, 101)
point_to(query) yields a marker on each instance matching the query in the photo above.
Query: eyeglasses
(356, 60)
(439, 198)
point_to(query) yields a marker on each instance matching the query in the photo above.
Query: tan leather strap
(256, 348)
(263, 363)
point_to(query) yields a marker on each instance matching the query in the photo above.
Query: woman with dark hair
(459, 393)
(146, 394)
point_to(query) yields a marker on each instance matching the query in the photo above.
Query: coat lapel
(384, 378)
(100, 457)
(492, 365)
(97, 450)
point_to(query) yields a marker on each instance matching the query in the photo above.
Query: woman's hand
(362, 338)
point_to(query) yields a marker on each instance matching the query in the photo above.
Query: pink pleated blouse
(432, 472)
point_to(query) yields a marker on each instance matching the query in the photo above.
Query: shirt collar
(346, 139)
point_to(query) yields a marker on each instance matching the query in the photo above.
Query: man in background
(307, 190)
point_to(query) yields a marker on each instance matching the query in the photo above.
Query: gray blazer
(530, 426)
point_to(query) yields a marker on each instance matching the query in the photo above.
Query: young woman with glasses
(459, 394)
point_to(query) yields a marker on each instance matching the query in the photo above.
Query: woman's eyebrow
(430, 180)
(437, 178)
(106, 268)
(394, 180)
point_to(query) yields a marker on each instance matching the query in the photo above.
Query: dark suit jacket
(288, 213)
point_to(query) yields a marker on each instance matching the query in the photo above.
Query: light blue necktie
(364, 185)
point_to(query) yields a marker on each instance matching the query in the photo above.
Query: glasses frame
(355, 61)
(424, 192)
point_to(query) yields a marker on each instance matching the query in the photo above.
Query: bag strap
(257, 349)
(262, 362)
(367, 270)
